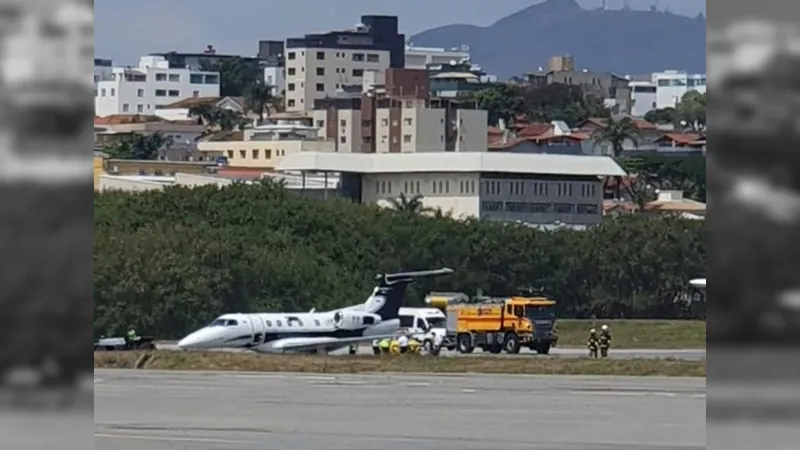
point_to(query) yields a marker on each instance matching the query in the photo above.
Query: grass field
(171, 360)
(632, 334)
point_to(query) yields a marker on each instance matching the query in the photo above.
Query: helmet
(604, 328)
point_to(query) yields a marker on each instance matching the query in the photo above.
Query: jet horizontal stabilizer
(416, 274)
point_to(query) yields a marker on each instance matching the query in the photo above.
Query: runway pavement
(685, 354)
(243, 411)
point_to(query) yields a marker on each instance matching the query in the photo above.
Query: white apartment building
(420, 57)
(671, 85)
(275, 76)
(402, 126)
(535, 189)
(316, 73)
(644, 97)
(139, 90)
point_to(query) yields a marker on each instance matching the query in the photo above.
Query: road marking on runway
(168, 438)
(468, 391)
(417, 384)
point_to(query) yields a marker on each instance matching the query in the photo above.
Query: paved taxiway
(243, 411)
(684, 354)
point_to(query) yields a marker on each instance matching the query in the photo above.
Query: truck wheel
(512, 343)
(465, 343)
(543, 348)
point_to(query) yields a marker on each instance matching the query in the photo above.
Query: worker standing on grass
(385, 345)
(593, 343)
(402, 342)
(605, 341)
(131, 334)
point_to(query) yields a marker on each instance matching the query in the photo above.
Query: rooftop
(432, 162)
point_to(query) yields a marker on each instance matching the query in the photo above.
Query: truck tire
(543, 348)
(465, 343)
(512, 344)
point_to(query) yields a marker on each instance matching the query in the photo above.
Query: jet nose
(194, 340)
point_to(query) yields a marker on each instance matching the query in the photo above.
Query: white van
(423, 324)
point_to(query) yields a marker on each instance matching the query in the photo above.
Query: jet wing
(328, 343)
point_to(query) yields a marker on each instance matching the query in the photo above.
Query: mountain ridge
(620, 41)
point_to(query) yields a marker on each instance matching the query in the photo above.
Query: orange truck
(497, 324)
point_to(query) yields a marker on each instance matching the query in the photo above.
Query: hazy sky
(126, 30)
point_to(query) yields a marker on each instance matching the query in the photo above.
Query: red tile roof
(681, 138)
(642, 125)
(126, 119)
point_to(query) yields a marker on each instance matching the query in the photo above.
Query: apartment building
(671, 85)
(319, 65)
(198, 60)
(396, 114)
(533, 189)
(422, 57)
(154, 83)
(263, 148)
(644, 97)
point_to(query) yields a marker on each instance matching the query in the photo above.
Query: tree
(662, 116)
(168, 261)
(137, 146)
(258, 97)
(235, 74)
(412, 205)
(617, 133)
(562, 102)
(691, 110)
(217, 119)
(503, 101)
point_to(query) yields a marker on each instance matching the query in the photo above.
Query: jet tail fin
(387, 298)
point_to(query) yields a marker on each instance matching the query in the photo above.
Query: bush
(169, 261)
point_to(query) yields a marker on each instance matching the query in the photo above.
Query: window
(383, 139)
(212, 79)
(320, 87)
(290, 87)
(384, 122)
(161, 93)
(291, 55)
(195, 94)
(491, 206)
(563, 208)
(373, 58)
(343, 122)
(320, 56)
(140, 92)
(102, 92)
(255, 154)
(358, 72)
(290, 71)
(279, 323)
(539, 208)
(230, 154)
(161, 77)
(320, 123)
(316, 322)
(113, 92)
(407, 138)
(517, 207)
(267, 154)
(139, 108)
(174, 93)
(587, 208)
(343, 139)
(407, 121)
(358, 57)
(195, 78)
(320, 71)
(174, 77)
(126, 107)
(269, 323)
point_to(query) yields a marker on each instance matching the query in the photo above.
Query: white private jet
(320, 332)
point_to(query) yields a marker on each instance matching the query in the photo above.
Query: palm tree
(258, 98)
(617, 133)
(217, 119)
(412, 205)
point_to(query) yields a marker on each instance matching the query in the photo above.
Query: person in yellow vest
(385, 345)
(593, 343)
(605, 340)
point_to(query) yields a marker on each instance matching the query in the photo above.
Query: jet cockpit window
(223, 323)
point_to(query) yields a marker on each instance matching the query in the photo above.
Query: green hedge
(168, 261)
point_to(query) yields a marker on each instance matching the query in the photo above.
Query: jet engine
(351, 320)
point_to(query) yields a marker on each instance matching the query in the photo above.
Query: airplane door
(259, 329)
